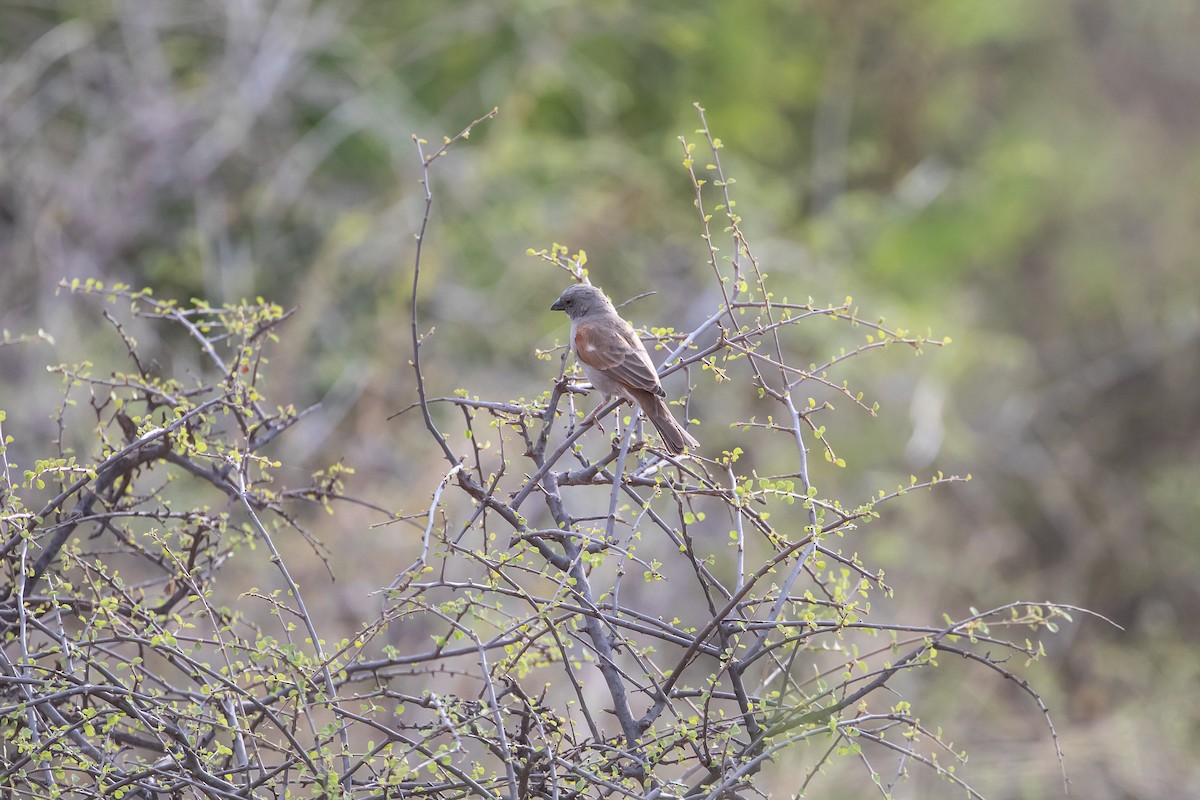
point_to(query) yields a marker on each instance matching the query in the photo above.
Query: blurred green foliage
(1020, 176)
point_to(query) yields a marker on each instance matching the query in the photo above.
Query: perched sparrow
(615, 360)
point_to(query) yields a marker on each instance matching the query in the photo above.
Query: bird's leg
(594, 416)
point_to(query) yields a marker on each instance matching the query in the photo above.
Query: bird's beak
(558, 305)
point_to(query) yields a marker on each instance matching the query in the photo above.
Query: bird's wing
(616, 349)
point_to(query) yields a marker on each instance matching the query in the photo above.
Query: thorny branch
(575, 623)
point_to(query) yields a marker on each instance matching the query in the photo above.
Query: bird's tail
(673, 434)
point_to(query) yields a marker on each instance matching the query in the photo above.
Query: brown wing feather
(617, 351)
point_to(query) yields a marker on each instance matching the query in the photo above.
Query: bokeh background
(1020, 176)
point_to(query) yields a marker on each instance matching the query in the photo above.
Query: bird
(616, 362)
